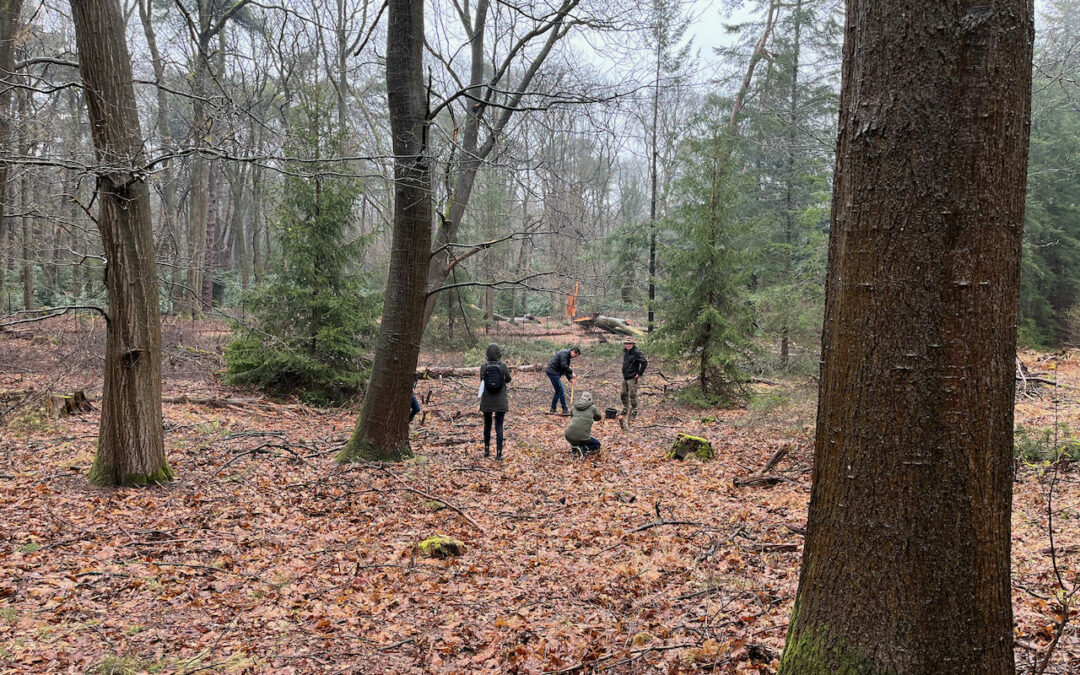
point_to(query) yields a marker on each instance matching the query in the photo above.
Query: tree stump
(686, 445)
(63, 405)
(441, 546)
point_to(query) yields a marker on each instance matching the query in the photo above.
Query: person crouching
(582, 416)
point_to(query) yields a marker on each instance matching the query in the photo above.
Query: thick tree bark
(906, 564)
(130, 449)
(380, 434)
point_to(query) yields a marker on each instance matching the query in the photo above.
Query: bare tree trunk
(906, 563)
(10, 11)
(170, 242)
(381, 434)
(27, 205)
(210, 245)
(789, 196)
(130, 449)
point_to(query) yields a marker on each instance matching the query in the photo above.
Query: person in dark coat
(579, 432)
(556, 368)
(633, 367)
(414, 405)
(494, 403)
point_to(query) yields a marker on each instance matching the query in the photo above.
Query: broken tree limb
(775, 459)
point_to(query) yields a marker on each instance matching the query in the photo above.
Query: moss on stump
(441, 546)
(686, 445)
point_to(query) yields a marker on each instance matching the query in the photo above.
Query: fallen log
(439, 372)
(611, 324)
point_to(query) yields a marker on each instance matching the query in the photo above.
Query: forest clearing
(264, 555)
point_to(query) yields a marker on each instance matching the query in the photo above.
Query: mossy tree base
(366, 451)
(107, 476)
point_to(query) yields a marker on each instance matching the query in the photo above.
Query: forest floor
(264, 555)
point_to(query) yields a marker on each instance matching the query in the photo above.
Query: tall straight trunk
(239, 237)
(27, 204)
(789, 187)
(210, 245)
(169, 246)
(380, 434)
(10, 11)
(130, 449)
(906, 562)
(653, 156)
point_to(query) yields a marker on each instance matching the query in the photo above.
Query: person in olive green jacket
(494, 402)
(582, 415)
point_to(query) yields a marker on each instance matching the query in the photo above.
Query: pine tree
(314, 319)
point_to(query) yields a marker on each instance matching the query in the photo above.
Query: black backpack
(493, 379)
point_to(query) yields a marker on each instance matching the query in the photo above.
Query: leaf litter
(266, 556)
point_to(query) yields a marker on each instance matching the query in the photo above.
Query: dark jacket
(498, 401)
(582, 415)
(559, 365)
(633, 363)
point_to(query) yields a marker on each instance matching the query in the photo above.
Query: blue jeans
(414, 407)
(560, 393)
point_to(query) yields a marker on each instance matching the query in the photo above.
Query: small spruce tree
(314, 319)
(705, 317)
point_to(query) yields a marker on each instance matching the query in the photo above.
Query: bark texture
(906, 563)
(379, 434)
(130, 449)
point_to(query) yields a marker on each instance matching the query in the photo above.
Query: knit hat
(585, 397)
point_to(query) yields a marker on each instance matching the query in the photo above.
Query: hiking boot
(487, 452)
(498, 456)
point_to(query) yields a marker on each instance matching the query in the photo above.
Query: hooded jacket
(582, 416)
(497, 401)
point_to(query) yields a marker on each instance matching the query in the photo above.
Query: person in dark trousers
(633, 367)
(556, 368)
(578, 432)
(494, 403)
(414, 406)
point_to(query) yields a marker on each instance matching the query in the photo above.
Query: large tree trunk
(380, 434)
(130, 449)
(906, 563)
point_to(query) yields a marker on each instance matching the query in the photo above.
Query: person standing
(494, 403)
(633, 367)
(579, 432)
(556, 368)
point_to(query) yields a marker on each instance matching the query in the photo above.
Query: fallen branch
(753, 481)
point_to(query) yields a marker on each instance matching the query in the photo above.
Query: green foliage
(705, 315)
(1042, 445)
(1050, 278)
(315, 318)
